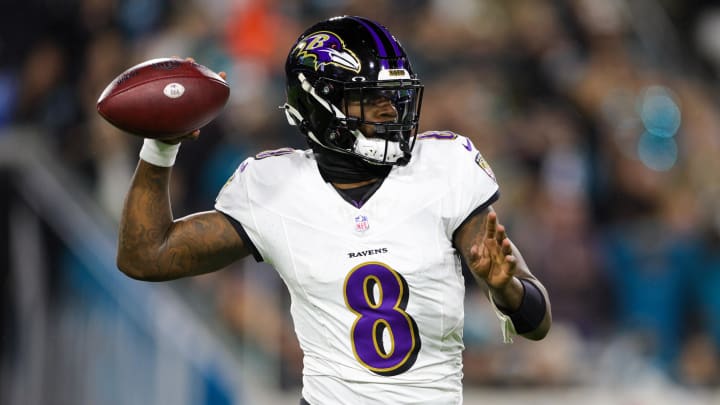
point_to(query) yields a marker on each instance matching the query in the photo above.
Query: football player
(367, 227)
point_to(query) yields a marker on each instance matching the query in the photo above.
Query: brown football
(163, 98)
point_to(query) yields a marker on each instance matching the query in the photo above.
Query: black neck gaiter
(342, 168)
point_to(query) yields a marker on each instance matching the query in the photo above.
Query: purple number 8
(377, 316)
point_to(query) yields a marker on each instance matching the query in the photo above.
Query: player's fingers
(493, 250)
(510, 265)
(188, 58)
(478, 249)
(191, 136)
(490, 225)
(500, 234)
(223, 75)
(474, 252)
(506, 247)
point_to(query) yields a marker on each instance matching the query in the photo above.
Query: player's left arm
(497, 263)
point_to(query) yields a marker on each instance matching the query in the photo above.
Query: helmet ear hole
(329, 90)
(324, 88)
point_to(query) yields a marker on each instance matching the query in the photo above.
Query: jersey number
(378, 295)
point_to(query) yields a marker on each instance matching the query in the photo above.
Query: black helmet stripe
(383, 39)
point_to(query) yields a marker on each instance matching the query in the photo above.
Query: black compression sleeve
(531, 311)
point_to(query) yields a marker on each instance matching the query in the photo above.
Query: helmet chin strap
(376, 149)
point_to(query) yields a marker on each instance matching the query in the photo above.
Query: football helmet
(354, 60)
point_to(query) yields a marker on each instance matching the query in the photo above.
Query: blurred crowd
(600, 119)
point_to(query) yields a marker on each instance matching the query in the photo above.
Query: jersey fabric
(376, 291)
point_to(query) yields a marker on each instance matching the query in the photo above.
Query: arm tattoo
(151, 246)
(468, 232)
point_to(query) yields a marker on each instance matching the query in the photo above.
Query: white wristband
(159, 153)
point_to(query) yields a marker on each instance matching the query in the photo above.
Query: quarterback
(368, 227)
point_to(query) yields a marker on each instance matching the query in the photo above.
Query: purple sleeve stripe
(437, 135)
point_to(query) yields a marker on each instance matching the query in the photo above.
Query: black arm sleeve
(531, 311)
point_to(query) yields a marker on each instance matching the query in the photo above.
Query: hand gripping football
(163, 98)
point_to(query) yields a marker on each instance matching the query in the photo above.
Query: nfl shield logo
(361, 223)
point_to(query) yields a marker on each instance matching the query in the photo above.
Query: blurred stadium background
(600, 118)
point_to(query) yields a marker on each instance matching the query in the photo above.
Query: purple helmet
(352, 58)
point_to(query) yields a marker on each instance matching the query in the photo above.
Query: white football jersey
(377, 291)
